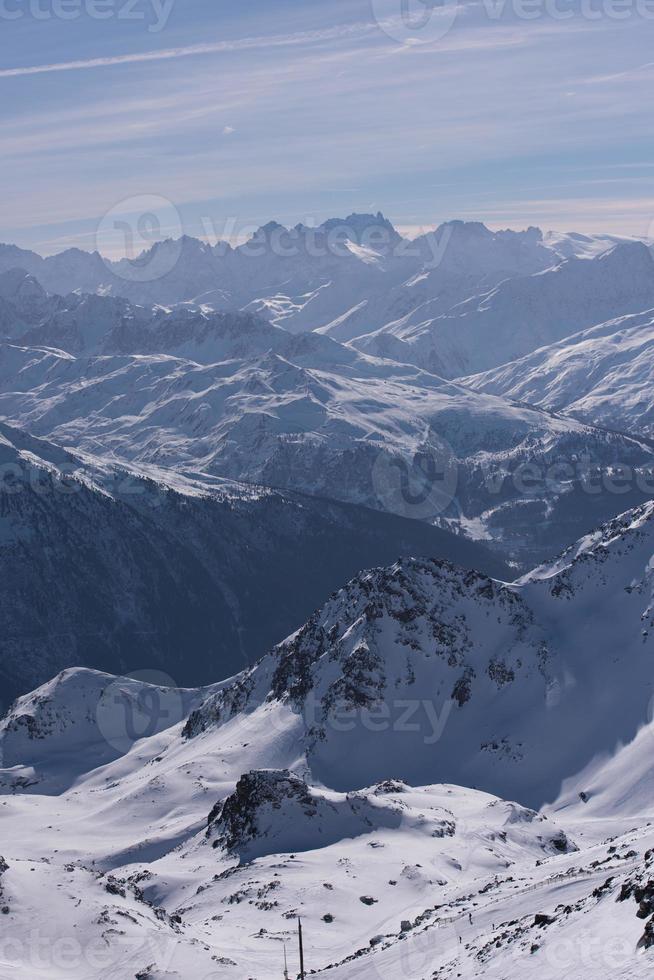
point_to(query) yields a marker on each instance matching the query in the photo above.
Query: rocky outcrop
(276, 811)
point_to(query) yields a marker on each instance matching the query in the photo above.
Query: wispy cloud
(629, 75)
(475, 124)
(453, 43)
(195, 50)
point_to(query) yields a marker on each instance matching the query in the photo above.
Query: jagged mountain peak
(508, 670)
(362, 227)
(16, 283)
(465, 229)
(632, 256)
(611, 542)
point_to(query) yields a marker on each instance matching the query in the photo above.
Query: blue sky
(238, 112)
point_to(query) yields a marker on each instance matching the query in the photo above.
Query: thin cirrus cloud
(463, 125)
(196, 50)
(362, 30)
(630, 74)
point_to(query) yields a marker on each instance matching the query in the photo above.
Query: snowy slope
(572, 243)
(573, 916)
(309, 414)
(604, 375)
(373, 864)
(614, 787)
(522, 314)
(218, 832)
(463, 884)
(497, 676)
(456, 261)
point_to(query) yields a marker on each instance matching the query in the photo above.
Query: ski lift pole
(299, 930)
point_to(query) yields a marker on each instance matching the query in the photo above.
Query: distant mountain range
(234, 396)
(348, 277)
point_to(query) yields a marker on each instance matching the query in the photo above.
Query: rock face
(4, 867)
(23, 303)
(433, 673)
(275, 812)
(640, 889)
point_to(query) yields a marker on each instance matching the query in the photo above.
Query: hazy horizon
(314, 109)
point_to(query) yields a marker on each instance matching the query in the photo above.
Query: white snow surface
(190, 849)
(309, 414)
(604, 375)
(521, 314)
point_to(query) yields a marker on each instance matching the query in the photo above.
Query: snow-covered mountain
(121, 569)
(287, 790)
(510, 671)
(88, 323)
(521, 314)
(347, 277)
(572, 243)
(303, 277)
(604, 375)
(311, 415)
(201, 870)
(350, 277)
(444, 772)
(456, 261)
(61, 273)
